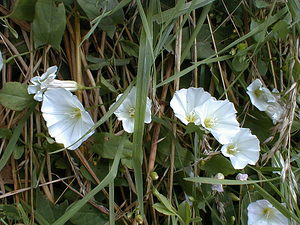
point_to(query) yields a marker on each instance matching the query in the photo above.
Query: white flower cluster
(67, 120)
(265, 100)
(194, 105)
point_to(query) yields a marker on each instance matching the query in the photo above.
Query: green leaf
(131, 48)
(90, 7)
(162, 209)
(192, 128)
(239, 63)
(164, 201)
(49, 23)
(18, 151)
(47, 209)
(14, 96)
(24, 10)
(183, 157)
(9, 211)
(218, 164)
(107, 144)
(184, 211)
(260, 4)
(260, 36)
(88, 215)
(5, 133)
(262, 67)
(43, 207)
(94, 8)
(281, 28)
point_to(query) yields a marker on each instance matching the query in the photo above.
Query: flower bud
(154, 175)
(139, 219)
(69, 85)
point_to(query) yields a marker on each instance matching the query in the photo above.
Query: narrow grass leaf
(110, 176)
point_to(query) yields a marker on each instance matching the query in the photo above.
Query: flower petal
(66, 119)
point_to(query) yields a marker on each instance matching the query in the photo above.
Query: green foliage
(14, 96)
(183, 157)
(218, 164)
(281, 28)
(49, 23)
(24, 10)
(48, 210)
(9, 211)
(126, 43)
(5, 133)
(107, 144)
(94, 9)
(88, 215)
(18, 152)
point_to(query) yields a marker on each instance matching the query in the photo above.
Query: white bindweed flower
(275, 112)
(185, 101)
(260, 96)
(66, 118)
(219, 118)
(262, 212)
(39, 84)
(242, 149)
(126, 111)
(69, 85)
(1, 61)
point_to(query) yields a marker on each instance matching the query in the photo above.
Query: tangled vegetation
(151, 165)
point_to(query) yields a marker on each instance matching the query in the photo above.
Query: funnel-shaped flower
(219, 118)
(242, 149)
(262, 212)
(260, 96)
(1, 61)
(126, 111)
(185, 101)
(41, 83)
(275, 112)
(66, 118)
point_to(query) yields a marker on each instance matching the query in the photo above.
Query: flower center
(75, 113)
(131, 112)
(258, 92)
(209, 122)
(191, 118)
(267, 212)
(232, 149)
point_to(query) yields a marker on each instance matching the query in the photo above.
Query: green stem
(111, 202)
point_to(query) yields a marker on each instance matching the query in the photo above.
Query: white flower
(69, 85)
(219, 118)
(66, 118)
(185, 101)
(1, 61)
(262, 212)
(41, 83)
(275, 112)
(260, 96)
(242, 149)
(242, 176)
(218, 187)
(126, 111)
